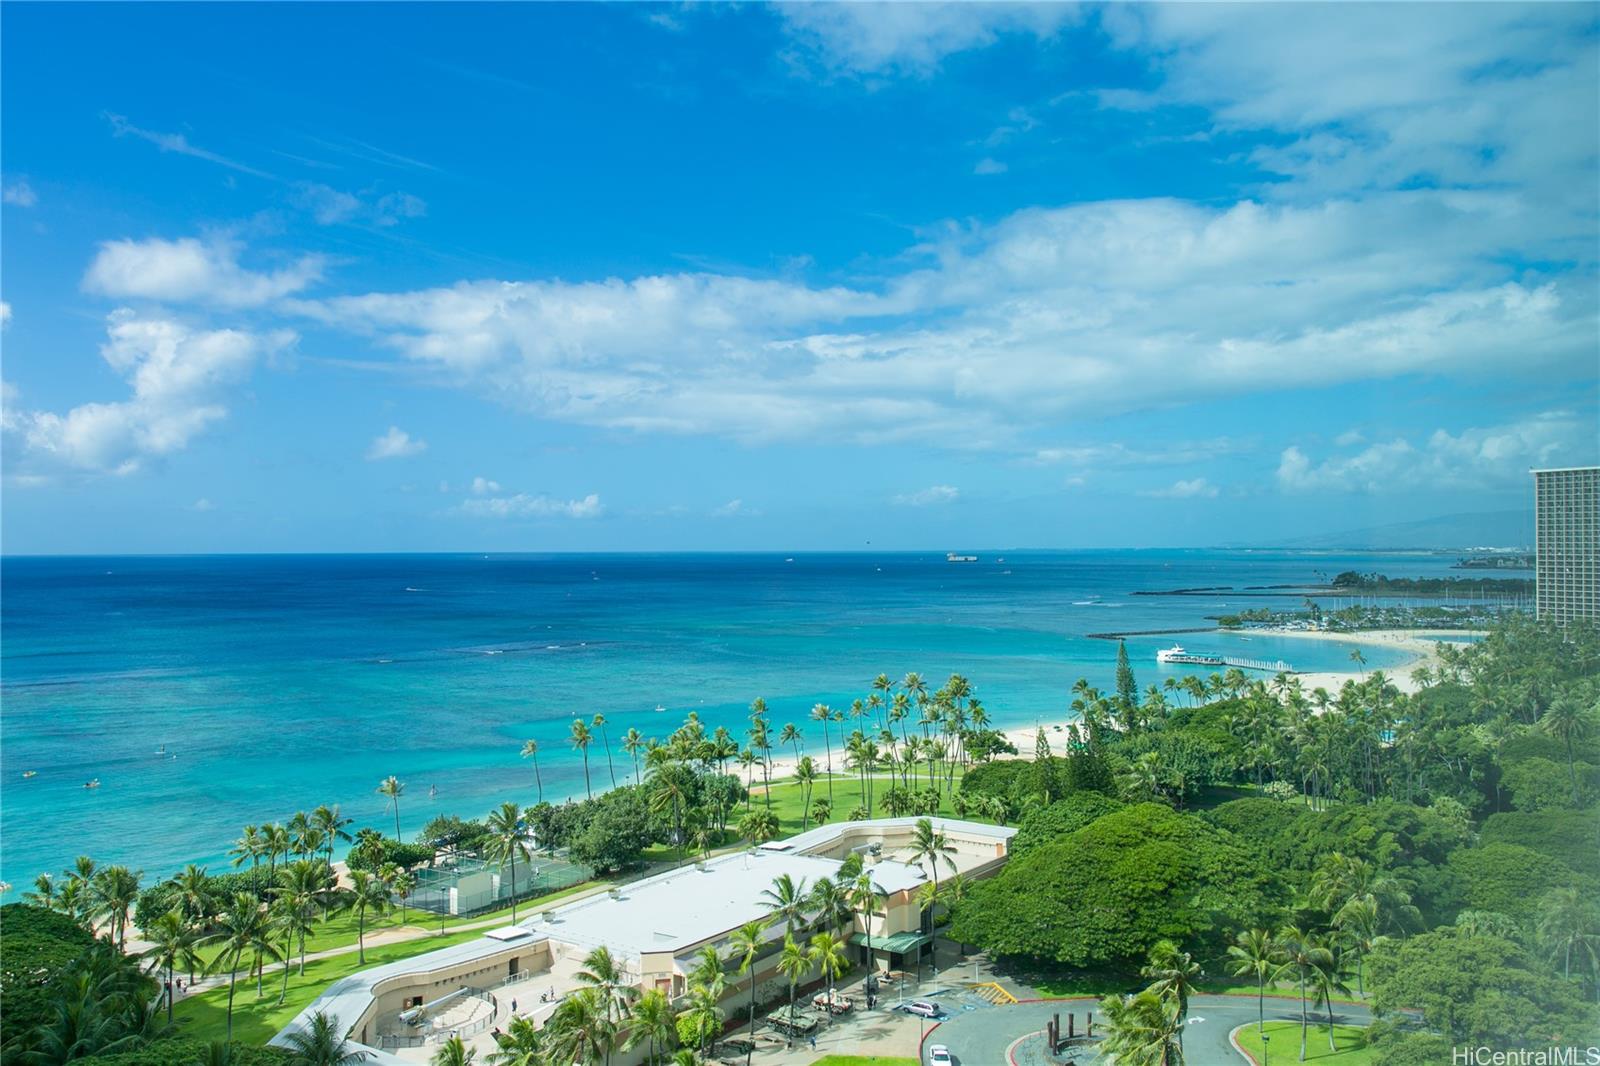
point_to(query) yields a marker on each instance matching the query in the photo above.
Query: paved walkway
(981, 1037)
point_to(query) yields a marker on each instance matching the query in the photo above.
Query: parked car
(939, 1055)
(799, 1025)
(923, 1009)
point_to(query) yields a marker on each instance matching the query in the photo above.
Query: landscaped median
(1283, 1044)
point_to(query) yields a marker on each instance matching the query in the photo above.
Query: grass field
(205, 1016)
(339, 930)
(788, 798)
(1284, 1044)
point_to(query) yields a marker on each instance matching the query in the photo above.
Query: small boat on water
(952, 557)
(659, 708)
(29, 773)
(1176, 654)
(92, 783)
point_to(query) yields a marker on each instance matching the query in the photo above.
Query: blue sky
(549, 277)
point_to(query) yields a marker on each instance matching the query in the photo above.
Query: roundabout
(1013, 1035)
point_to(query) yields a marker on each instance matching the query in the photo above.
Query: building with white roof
(655, 929)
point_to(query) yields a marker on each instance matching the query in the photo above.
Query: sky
(553, 277)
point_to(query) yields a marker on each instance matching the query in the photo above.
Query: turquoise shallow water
(279, 682)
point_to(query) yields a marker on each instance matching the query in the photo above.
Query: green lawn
(256, 1020)
(1284, 1042)
(339, 930)
(788, 798)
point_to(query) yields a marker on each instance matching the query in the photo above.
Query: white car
(923, 1009)
(939, 1055)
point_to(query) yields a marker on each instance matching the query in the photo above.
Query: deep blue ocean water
(276, 683)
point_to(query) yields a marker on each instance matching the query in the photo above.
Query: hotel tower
(1566, 505)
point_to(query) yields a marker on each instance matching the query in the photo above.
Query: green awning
(900, 943)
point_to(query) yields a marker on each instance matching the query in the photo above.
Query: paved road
(980, 1037)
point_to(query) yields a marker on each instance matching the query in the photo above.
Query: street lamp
(1264, 1039)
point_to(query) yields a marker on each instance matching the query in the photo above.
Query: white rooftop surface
(676, 910)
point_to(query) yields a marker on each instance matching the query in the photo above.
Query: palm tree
(790, 734)
(827, 953)
(1173, 975)
(1568, 720)
(821, 810)
(794, 962)
(758, 827)
(652, 1021)
(1566, 921)
(249, 847)
(507, 843)
(805, 774)
(748, 941)
(530, 750)
(603, 973)
(241, 929)
(320, 1044)
(332, 826)
(1255, 953)
(402, 883)
(931, 845)
(702, 1013)
(113, 891)
(368, 891)
(293, 915)
(864, 898)
(600, 724)
(454, 1053)
(193, 889)
(172, 944)
(581, 739)
(1141, 1030)
(393, 787)
(824, 714)
(1327, 978)
(633, 743)
(787, 901)
(307, 886)
(1303, 953)
(1357, 922)
(580, 1030)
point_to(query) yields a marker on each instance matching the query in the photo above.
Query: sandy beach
(1425, 652)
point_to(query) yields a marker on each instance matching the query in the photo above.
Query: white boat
(952, 557)
(659, 708)
(1176, 654)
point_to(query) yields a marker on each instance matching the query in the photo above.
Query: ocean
(209, 692)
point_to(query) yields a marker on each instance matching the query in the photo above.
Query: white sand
(1424, 653)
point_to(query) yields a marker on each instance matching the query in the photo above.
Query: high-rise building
(1566, 522)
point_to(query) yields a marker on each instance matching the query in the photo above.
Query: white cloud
(191, 270)
(909, 38)
(202, 505)
(395, 444)
(177, 376)
(1186, 490)
(989, 166)
(330, 206)
(730, 509)
(482, 486)
(524, 506)
(5, 314)
(931, 496)
(1475, 458)
(19, 194)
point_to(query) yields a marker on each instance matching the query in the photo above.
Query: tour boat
(952, 557)
(1176, 654)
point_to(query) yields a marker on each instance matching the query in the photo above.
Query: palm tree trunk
(397, 819)
(586, 786)
(1302, 1016)
(233, 974)
(169, 991)
(361, 935)
(288, 953)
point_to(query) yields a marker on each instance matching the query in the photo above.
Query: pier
(1276, 667)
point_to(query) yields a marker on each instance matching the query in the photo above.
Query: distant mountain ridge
(1484, 529)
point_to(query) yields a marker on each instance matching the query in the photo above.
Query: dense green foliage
(35, 945)
(1047, 825)
(1439, 850)
(1105, 893)
(1479, 990)
(179, 1052)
